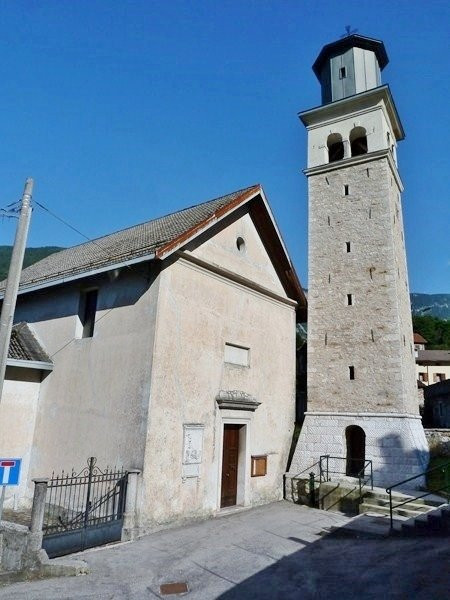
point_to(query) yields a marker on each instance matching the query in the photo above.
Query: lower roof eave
(29, 364)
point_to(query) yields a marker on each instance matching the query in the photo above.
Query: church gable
(238, 248)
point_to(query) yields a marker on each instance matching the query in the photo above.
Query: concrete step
(384, 510)
(436, 522)
(432, 501)
(414, 506)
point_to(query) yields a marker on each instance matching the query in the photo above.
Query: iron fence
(91, 497)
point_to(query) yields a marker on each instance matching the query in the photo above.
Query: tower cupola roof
(351, 41)
(350, 66)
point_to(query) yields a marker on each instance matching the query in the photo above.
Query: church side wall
(198, 313)
(95, 401)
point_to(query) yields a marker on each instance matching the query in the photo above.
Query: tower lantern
(350, 66)
(362, 393)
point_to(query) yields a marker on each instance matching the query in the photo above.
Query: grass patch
(439, 479)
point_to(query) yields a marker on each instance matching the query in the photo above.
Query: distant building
(437, 405)
(419, 342)
(432, 366)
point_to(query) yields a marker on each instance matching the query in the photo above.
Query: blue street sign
(10, 471)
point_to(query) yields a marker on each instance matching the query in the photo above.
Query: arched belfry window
(358, 141)
(335, 147)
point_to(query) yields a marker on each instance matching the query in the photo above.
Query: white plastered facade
(154, 368)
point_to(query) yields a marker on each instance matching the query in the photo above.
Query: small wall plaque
(259, 465)
(192, 449)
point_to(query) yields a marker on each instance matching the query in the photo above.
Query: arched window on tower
(335, 147)
(358, 141)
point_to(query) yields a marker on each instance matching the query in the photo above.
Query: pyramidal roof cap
(351, 41)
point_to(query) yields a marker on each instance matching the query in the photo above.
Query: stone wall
(396, 444)
(439, 441)
(374, 334)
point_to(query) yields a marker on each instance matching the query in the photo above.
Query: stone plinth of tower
(362, 398)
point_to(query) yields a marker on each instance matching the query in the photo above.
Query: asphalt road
(273, 552)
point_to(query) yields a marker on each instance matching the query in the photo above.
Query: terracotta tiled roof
(127, 244)
(24, 345)
(418, 339)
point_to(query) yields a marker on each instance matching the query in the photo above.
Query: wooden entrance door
(230, 459)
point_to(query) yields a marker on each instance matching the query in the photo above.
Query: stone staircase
(376, 501)
(434, 522)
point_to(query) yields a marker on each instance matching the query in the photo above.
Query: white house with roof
(171, 346)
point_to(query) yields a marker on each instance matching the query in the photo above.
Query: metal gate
(84, 510)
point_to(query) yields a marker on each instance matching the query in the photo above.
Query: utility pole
(12, 283)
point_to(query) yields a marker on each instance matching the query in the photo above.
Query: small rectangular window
(237, 355)
(347, 246)
(349, 299)
(259, 466)
(87, 312)
(342, 73)
(346, 190)
(351, 372)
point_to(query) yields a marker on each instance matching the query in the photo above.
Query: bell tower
(362, 396)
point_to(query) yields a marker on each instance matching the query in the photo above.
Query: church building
(168, 347)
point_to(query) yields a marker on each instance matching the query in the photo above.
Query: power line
(58, 218)
(63, 221)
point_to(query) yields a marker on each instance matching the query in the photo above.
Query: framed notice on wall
(192, 449)
(259, 465)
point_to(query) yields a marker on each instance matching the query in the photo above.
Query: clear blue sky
(124, 111)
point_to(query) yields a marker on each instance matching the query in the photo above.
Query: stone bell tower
(362, 396)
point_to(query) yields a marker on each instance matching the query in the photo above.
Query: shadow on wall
(116, 289)
(398, 463)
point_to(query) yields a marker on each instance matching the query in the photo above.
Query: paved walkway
(271, 552)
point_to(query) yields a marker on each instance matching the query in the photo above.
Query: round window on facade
(240, 244)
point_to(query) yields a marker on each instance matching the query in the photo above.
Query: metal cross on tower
(348, 31)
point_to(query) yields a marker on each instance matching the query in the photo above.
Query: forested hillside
(435, 331)
(32, 255)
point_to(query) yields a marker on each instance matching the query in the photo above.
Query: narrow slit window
(342, 72)
(347, 246)
(349, 299)
(346, 190)
(351, 372)
(87, 312)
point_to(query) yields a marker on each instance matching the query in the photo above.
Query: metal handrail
(444, 468)
(325, 471)
(307, 469)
